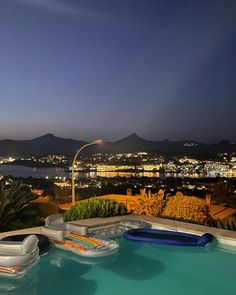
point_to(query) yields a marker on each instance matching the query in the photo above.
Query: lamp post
(98, 141)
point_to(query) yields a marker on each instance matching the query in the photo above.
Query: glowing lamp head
(98, 141)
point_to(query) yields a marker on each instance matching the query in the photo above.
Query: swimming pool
(138, 268)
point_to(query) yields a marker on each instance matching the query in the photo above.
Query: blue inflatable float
(167, 237)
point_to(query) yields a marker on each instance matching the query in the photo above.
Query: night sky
(108, 68)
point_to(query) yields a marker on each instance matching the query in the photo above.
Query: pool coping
(223, 236)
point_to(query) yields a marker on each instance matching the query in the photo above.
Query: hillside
(50, 144)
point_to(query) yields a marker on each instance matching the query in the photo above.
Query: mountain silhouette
(50, 144)
(40, 146)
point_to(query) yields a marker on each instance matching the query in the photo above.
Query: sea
(23, 171)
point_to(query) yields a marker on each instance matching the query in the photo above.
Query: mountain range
(50, 144)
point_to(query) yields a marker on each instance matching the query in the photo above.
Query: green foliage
(187, 208)
(95, 207)
(16, 211)
(150, 204)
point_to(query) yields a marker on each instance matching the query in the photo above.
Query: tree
(223, 192)
(150, 204)
(16, 209)
(61, 195)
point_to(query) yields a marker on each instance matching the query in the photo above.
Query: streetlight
(98, 141)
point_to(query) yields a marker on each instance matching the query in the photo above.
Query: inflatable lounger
(167, 237)
(117, 229)
(75, 238)
(43, 242)
(18, 257)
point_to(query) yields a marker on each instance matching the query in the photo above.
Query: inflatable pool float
(16, 258)
(75, 238)
(117, 229)
(167, 237)
(44, 243)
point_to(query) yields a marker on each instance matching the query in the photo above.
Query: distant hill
(50, 144)
(134, 143)
(40, 146)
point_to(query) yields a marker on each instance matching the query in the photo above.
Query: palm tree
(16, 209)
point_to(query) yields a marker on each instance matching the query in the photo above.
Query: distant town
(99, 173)
(138, 163)
(129, 164)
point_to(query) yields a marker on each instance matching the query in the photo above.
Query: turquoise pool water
(138, 268)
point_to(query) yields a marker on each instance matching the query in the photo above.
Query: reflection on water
(59, 258)
(21, 171)
(128, 174)
(21, 286)
(67, 279)
(141, 268)
(134, 266)
(52, 278)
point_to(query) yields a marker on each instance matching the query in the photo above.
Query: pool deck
(223, 236)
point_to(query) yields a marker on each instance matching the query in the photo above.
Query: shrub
(228, 223)
(95, 207)
(150, 204)
(16, 208)
(187, 208)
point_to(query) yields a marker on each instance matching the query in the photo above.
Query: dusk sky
(108, 68)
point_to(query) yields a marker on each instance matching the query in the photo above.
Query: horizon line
(131, 134)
